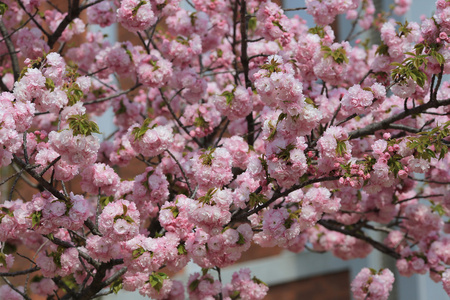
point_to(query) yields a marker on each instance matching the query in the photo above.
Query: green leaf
(273, 131)
(3, 259)
(339, 55)
(430, 153)
(403, 29)
(241, 240)
(194, 284)
(182, 40)
(182, 249)
(49, 84)
(122, 108)
(229, 97)
(252, 23)
(3, 8)
(6, 211)
(310, 101)
(257, 199)
(207, 156)
(135, 10)
(128, 219)
(341, 148)
(285, 154)
(382, 49)
(74, 94)
(156, 280)
(235, 295)
(317, 30)
(139, 132)
(37, 278)
(276, 23)
(81, 125)
(271, 66)
(206, 199)
(106, 200)
(57, 256)
(36, 218)
(138, 252)
(174, 210)
(200, 122)
(258, 281)
(116, 286)
(437, 208)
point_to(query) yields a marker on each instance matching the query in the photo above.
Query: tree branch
(113, 96)
(335, 226)
(386, 123)
(18, 273)
(11, 50)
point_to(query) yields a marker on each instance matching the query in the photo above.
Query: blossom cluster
(235, 125)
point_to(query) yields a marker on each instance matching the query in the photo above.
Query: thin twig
(115, 276)
(177, 119)
(7, 179)
(182, 171)
(54, 6)
(15, 289)
(11, 50)
(38, 25)
(384, 124)
(357, 233)
(419, 197)
(18, 28)
(50, 165)
(113, 96)
(221, 133)
(14, 185)
(18, 273)
(294, 9)
(83, 7)
(25, 178)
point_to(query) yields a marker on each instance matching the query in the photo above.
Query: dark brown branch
(97, 283)
(146, 46)
(294, 9)
(357, 233)
(30, 170)
(50, 165)
(242, 216)
(386, 123)
(419, 197)
(182, 171)
(13, 175)
(115, 276)
(89, 224)
(113, 96)
(404, 128)
(18, 273)
(433, 97)
(429, 181)
(73, 13)
(38, 25)
(258, 55)
(90, 4)
(18, 28)
(244, 62)
(11, 50)
(178, 119)
(365, 76)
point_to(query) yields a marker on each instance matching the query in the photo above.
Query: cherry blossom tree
(247, 127)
